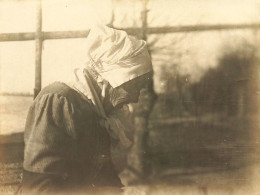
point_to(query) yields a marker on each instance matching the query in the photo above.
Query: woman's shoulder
(57, 88)
(63, 92)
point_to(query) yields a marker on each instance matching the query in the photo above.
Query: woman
(71, 127)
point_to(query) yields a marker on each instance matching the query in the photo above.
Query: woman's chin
(119, 106)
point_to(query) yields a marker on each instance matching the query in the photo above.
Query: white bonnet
(116, 56)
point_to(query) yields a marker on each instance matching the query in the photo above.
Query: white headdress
(116, 56)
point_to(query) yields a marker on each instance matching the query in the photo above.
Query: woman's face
(119, 96)
(133, 87)
(128, 92)
(133, 91)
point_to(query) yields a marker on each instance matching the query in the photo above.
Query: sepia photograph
(130, 97)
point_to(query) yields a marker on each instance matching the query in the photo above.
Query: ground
(206, 155)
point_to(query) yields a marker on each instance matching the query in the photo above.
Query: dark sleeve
(50, 137)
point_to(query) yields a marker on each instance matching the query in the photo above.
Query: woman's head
(121, 60)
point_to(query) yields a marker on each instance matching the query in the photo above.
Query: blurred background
(204, 127)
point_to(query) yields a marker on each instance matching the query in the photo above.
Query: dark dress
(66, 149)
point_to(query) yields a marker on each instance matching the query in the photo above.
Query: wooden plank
(151, 30)
(200, 28)
(28, 36)
(65, 34)
(144, 20)
(38, 51)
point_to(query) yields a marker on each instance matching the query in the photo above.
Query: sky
(193, 51)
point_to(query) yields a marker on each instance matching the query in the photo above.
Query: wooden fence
(39, 36)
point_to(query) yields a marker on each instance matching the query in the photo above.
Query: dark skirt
(39, 183)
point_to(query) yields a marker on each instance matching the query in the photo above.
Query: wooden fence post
(138, 158)
(38, 50)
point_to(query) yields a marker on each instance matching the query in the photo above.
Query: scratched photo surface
(202, 129)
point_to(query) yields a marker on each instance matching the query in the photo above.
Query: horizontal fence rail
(27, 36)
(197, 28)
